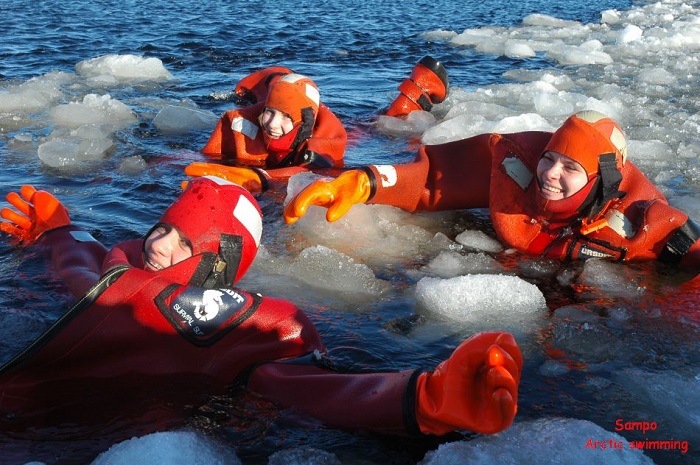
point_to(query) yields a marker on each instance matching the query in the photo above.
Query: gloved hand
(40, 212)
(337, 195)
(475, 389)
(244, 177)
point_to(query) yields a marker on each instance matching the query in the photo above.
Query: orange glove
(475, 389)
(252, 180)
(40, 212)
(337, 195)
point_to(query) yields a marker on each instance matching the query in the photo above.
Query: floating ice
(630, 34)
(173, 119)
(548, 440)
(482, 299)
(449, 264)
(168, 448)
(118, 68)
(324, 268)
(94, 110)
(60, 152)
(611, 279)
(479, 241)
(34, 95)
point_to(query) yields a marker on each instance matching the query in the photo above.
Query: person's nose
(554, 171)
(275, 121)
(163, 245)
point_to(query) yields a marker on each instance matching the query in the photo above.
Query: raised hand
(39, 212)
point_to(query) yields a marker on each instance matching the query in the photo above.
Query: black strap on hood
(608, 184)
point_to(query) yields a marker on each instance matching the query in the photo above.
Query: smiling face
(165, 246)
(276, 123)
(560, 176)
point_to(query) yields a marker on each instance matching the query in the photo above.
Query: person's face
(560, 176)
(164, 247)
(276, 123)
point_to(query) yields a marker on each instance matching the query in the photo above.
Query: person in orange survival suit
(286, 128)
(165, 305)
(323, 150)
(571, 194)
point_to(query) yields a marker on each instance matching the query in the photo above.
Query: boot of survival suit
(427, 86)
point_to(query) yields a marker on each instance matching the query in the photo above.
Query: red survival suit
(138, 333)
(184, 331)
(498, 171)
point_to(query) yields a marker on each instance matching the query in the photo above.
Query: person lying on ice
(571, 194)
(292, 131)
(165, 305)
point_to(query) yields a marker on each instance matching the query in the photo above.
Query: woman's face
(276, 123)
(164, 247)
(560, 176)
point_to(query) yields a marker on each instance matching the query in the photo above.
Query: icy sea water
(103, 103)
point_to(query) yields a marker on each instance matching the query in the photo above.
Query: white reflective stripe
(387, 175)
(311, 91)
(248, 215)
(619, 223)
(82, 236)
(245, 127)
(620, 141)
(518, 172)
(312, 94)
(219, 181)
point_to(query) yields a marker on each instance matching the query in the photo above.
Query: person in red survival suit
(571, 194)
(166, 305)
(319, 144)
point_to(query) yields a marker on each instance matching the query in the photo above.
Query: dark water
(358, 52)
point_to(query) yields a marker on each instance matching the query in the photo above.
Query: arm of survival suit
(76, 256)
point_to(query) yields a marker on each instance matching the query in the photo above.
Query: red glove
(475, 389)
(337, 195)
(40, 212)
(252, 180)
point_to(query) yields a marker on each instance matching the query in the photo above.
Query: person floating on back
(159, 316)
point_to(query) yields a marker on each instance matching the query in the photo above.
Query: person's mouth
(549, 190)
(153, 264)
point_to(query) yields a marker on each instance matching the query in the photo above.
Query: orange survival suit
(618, 215)
(317, 141)
(186, 328)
